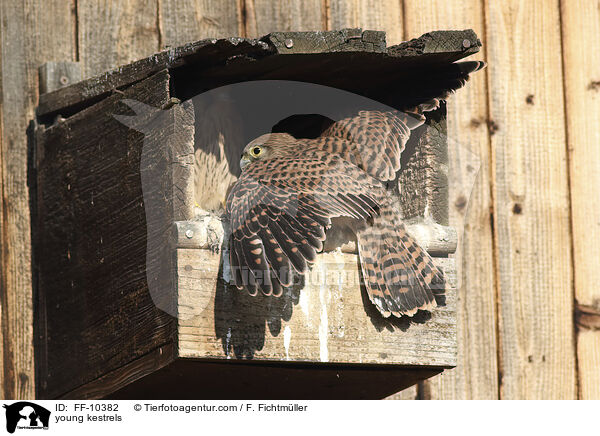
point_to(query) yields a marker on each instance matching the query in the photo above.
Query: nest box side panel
(95, 310)
(423, 179)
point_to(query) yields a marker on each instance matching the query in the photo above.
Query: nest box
(131, 301)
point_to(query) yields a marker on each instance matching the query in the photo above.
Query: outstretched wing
(373, 140)
(279, 209)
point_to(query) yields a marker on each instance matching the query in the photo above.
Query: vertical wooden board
(113, 33)
(531, 204)
(191, 20)
(580, 29)
(264, 16)
(3, 289)
(588, 358)
(30, 37)
(475, 376)
(369, 14)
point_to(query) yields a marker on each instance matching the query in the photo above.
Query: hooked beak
(245, 160)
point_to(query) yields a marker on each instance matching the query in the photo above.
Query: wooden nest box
(130, 297)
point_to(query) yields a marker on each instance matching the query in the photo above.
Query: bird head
(267, 146)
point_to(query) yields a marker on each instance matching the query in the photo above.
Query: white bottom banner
(297, 417)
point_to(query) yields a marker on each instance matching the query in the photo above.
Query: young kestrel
(289, 190)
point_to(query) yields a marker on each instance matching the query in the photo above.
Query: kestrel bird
(289, 189)
(216, 154)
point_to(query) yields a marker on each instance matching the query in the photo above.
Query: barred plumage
(290, 189)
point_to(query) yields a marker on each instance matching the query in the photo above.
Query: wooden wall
(530, 323)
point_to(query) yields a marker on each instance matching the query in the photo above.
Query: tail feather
(400, 277)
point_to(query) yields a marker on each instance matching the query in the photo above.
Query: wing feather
(279, 210)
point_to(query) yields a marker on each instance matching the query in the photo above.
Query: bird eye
(256, 151)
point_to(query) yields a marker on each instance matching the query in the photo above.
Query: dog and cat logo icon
(26, 415)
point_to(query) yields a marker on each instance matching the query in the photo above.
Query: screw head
(64, 80)
(289, 43)
(189, 233)
(466, 43)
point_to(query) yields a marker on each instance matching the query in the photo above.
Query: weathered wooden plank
(531, 204)
(23, 52)
(329, 41)
(264, 16)
(475, 376)
(588, 358)
(115, 33)
(90, 90)
(214, 58)
(182, 22)
(56, 75)
(100, 233)
(383, 15)
(125, 375)
(580, 27)
(451, 42)
(329, 320)
(423, 181)
(3, 283)
(206, 231)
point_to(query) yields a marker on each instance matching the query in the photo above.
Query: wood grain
(369, 14)
(56, 75)
(79, 95)
(529, 169)
(329, 320)
(105, 206)
(112, 33)
(582, 98)
(23, 51)
(3, 283)
(423, 180)
(475, 376)
(125, 375)
(264, 16)
(531, 204)
(186, 21)
(588, 359)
